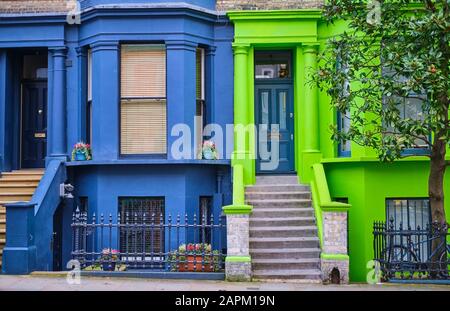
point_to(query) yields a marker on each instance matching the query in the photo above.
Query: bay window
(143, 129)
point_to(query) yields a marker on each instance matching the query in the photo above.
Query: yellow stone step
(24, 172)
(14, 197)
(16, 191)
(20, 178)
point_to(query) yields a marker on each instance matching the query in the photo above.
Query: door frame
(258, 83)
(21, 112)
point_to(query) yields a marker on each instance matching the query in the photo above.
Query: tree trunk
(436, 181)
(436, 194)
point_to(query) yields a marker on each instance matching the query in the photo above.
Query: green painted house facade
(344, 178)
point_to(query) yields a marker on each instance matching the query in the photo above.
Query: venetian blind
(143, 104)
(143, 71)
(199, 66)
(143, 126)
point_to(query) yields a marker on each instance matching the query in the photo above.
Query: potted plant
(194, 257)
(209, 151)
(109, 259)
(81, 152)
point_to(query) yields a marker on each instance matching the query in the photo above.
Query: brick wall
(33, 6)
(228, 5)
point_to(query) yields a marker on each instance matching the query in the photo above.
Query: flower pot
(208, 155)
(109, 266)
(190, 267)
(80, 156)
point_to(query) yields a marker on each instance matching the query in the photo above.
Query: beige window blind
(143, 126)
(143, 71)
(143, 103)
(200, 73)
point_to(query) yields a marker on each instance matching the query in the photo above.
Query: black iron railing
(408, 253)
(141, 241)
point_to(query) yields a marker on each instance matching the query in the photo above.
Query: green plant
(209, 146)
(109, 255)
(202, 252)
(390, 70)
(81, 147)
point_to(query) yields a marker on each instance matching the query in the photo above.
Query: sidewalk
(58, 283)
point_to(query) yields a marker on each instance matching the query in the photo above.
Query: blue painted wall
(181, 29)
(209, 4)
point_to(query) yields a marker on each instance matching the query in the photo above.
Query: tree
(390, 69)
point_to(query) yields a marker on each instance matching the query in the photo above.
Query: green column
(311, 99)
(243, 128)
(311, 148)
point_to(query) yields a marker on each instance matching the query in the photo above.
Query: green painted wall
(367, 185)
(360, 178)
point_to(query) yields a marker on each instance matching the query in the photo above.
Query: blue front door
(274, 112)
(34, 124)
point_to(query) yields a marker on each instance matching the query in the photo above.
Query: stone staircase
(15, 186)
(284, 243)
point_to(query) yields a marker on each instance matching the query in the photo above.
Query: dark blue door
(274, 111)
(34, 124)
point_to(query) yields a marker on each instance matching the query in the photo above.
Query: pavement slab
(57, 282)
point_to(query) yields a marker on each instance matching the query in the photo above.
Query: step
(276, 179)
(277, 195)
(24, 172)
(288, 253)
(283, 212)
(277, 188)
(20, 192)
(20, 177)
(286, 231)
(15, 197)
(283, 242)
(5, 183)
(16, 187)
(285, 263)
(301, 274)
(280, 203)
(281, 221)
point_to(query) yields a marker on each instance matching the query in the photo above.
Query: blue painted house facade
(125, 70)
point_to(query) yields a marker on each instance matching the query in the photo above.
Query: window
(344, 146)
(35, 66)
(410, 213)
(143, 100)
(89, 98)
(205, 213)
(83, 205)
(410, 107)
(272, 65)
(344, 119)
(200, 115)
(138, 211)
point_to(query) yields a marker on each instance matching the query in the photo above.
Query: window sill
(148, 162)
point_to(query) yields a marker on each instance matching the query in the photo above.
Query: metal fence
(149, 241)
(411, 253)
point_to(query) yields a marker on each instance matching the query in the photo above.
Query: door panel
(34, 124)
(274, 108)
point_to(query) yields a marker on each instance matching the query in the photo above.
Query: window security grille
(133, 237)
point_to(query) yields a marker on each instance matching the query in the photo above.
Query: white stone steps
(283, 242)
(283, 212)
(302, 274)
(284, 203)
(283, 231)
